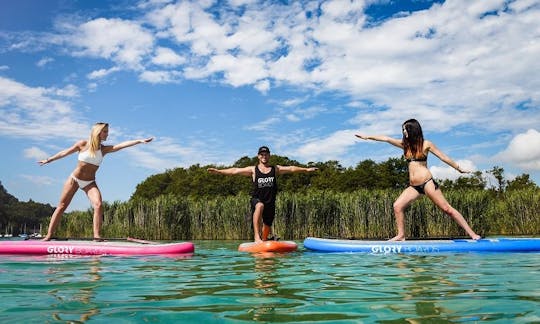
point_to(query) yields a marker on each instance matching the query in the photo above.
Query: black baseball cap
(264, 149)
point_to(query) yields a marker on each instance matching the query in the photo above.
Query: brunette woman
(415, 151)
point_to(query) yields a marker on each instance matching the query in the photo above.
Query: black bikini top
(420, 159)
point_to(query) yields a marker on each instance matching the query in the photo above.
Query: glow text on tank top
(265, 182)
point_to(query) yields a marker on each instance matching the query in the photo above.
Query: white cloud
(101, 73)
(263, 86)
(152, 3)
(125, 42)
(44, 61)
(150, 160)
(292, 102)
(92, 86)
(523, 151)
(242, 2)
(310, 112)
(238, 71)
(4, 67)
(159, 76)
(328, 148)
(167, 57)
(520, 6)
(447, 172)
(415, 63)
(34, 112)
(264, 125)
(251, 36)
(292, 118)
(166, 153)
(69, 91)
(461, 63)
(299, 114)
(39, 180)
(35, 153)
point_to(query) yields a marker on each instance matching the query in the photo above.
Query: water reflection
(265, 268)
(425, 287)
(220, 285)
(265, 285)
(74, 294)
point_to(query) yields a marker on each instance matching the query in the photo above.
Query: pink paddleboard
(79, 247)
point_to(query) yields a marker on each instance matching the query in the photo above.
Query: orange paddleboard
(268, 246)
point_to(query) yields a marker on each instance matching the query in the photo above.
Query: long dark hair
(413, 143)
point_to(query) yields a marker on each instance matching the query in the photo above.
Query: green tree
(392, 174)
(153, 186)
(328, 175)
(15, 215)
(521, 182)
(474, 182)
(498, 173)
(362, 176)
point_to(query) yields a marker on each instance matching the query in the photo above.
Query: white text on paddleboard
(385, 249)
(60, 249)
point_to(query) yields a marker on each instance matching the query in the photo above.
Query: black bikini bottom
(420, 187)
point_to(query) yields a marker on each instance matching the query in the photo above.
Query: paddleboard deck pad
(88, 247)
(506, 244)
(268, 246)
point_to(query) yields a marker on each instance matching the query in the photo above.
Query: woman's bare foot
(476, 237)
(46, 238)
(397, 238)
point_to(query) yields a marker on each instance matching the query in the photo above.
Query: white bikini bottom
(82, 183)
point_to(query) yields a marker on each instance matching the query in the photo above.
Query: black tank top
(265, 185)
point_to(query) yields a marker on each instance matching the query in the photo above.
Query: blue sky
(214, 80)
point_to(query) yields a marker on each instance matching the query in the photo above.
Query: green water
(220, 285)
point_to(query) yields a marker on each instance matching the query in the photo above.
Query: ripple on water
(219, 284)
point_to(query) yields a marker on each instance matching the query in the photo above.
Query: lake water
(220, 285)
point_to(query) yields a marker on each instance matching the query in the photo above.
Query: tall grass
(359, 214)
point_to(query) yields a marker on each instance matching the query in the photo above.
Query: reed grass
(359, 214)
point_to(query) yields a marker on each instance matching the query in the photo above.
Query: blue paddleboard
(501, 244)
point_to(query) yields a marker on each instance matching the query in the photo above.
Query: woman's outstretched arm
(76, 147)
(382, 138)
(445, 158)
(123, 145)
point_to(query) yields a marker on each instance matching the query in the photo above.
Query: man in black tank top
(264, 189)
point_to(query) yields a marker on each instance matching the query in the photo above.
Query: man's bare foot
(397, 238)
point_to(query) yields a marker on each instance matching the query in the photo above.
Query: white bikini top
(85, 156)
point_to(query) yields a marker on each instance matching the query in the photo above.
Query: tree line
(19, 217)
(196, 181)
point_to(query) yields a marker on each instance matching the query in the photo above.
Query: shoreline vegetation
(353, 202)
(362, 214)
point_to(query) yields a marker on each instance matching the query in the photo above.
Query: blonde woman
(91, 153)
(415, 151)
